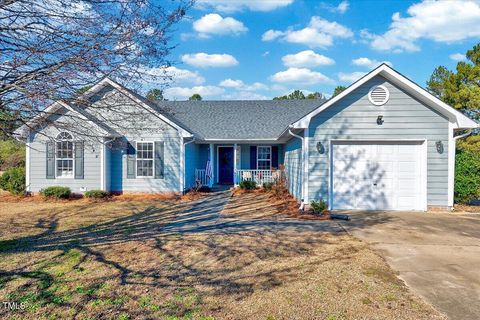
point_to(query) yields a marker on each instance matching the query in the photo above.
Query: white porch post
(235, 165)
(210, 149)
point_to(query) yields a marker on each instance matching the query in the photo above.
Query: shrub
(13, 180)
(319, 206)
(267, 185)
(12, 154)
(96, 194)
(248, 185)
(467, 176)
(56, 192)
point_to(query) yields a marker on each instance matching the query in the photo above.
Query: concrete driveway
(436, 254)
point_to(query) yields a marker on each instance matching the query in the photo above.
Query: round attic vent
(378, 95)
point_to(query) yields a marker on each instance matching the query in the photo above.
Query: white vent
(378, 95)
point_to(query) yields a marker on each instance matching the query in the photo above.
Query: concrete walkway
(437, 255)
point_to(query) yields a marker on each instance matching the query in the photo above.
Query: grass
(118, 260)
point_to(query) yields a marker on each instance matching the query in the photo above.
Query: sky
(254, 49)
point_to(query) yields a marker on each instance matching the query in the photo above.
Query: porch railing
(259, 176)
(201, 177)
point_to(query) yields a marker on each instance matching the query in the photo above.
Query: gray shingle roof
(237, 119)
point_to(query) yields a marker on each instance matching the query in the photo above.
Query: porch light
(320, 148)
(439, 146)
(380, 120)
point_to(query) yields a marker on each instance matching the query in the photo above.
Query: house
(382, 144)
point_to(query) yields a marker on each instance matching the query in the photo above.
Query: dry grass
(118, 260)
(467, 208)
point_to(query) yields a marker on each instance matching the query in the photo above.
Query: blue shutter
(275, 157)
(79, 166)
(131, 160)
(159, 159)
(50, 160)
(253, 157)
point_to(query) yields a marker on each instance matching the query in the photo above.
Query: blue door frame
(225, 165)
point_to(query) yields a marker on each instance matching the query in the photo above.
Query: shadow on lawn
(177, 233)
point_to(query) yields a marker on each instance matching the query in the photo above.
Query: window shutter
(159, 159)
(275, 157)
(50, 160)
(253, 157)
(131, 160)
(79, 166)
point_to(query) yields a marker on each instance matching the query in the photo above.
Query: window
(264, 158)
(144, 159)
(64, 154)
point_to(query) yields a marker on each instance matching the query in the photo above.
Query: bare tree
(53, 49)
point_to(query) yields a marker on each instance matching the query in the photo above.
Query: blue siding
(293, 167)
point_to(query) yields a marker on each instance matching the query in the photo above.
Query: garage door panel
(377, 175)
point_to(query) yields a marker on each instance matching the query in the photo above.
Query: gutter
(302, 202)
(466, 134)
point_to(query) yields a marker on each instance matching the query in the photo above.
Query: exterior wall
(354, 117)
(192, 157)
(293, 166)
(38, 161)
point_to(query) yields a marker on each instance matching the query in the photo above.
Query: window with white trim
(264, 157)
(64, 155)
(144, 159)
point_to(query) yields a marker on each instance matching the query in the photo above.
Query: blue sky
(242, 49)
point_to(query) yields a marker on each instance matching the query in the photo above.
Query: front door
(225, 165)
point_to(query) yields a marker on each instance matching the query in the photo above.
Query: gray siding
(354, 117)
(92, 161)
(293, 167)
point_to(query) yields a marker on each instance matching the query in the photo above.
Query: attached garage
(378, 175)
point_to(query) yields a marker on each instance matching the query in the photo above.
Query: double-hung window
(264, 157)
(64, 150)
(144, 159)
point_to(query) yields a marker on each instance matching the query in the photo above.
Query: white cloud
(439, 21)
(238, 5)
(300, 76)
(204, 60)
(307, 58)
(369, 63)
(240, 85)
(350, 77)
(230, 83)
(182, 93)
(266, 53)
(177, 75)
(318, 33)
(457, 57)
(343, 6)
(215, 24)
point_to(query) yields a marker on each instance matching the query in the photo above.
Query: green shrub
(13, 180)
(248, 185)
(267, 185)
(319, 206)
(467, 176)
(12, 154)
(56, 192)
(96, 194)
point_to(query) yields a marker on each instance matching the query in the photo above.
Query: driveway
(436, 254)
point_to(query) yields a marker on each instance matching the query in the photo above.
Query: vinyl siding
(354, 117)
(293, 167)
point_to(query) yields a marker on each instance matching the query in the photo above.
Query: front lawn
(128, 260)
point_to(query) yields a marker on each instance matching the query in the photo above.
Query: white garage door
(378, 175)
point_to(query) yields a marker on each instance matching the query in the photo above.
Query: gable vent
(378, 95)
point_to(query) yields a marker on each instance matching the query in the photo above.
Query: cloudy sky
(254, 49)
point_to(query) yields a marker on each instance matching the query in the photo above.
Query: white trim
(136, 159)
(102, 166)
(424, 169)
(387, 95)
(57, 158)
(451, 164)
(460, 120)
(27, 163)
(240, 140)
(218, 162)
(305, 159)
(270, 147)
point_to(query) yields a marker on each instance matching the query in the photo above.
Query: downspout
(302, 202)
(184, 182)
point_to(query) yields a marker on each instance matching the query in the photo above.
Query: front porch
(230, 164)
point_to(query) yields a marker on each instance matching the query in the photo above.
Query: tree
(52, 49)
(315, 95)
(195, 97)
(295, 95)
(155, 94)
(338, 90)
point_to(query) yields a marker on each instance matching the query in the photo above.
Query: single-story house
(382, 144)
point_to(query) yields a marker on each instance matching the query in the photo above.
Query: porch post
(212, 179)
(235, 182)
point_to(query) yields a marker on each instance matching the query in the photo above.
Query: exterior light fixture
(320, 148)
(380, 120)
(439, 146)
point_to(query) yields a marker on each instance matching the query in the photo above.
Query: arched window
(64, 148)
